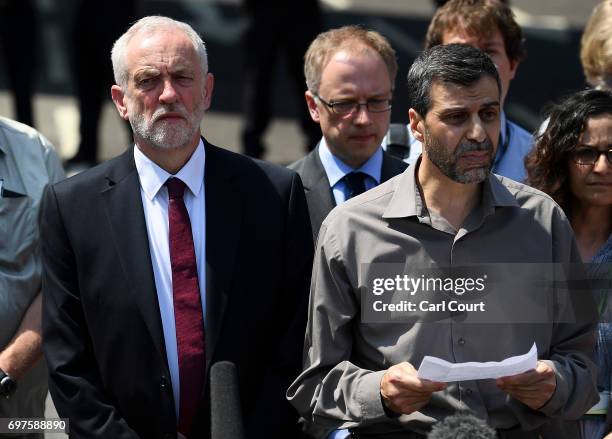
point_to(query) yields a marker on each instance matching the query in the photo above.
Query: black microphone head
(225, 406)
(462, 425)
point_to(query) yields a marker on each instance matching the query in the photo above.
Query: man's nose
(168, 94)
(362, 115)
(477, 132)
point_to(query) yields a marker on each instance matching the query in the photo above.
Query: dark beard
(447, 162)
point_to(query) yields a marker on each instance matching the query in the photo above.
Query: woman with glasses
(572, 162)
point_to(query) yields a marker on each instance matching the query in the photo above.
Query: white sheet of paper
(436, 369)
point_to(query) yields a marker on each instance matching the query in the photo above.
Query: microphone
(462, 425)
(225, 409)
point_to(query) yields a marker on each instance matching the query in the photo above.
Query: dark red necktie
(187, 306)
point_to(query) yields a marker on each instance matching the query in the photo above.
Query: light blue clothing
(339, 434)
(336, 169)
(515, 143)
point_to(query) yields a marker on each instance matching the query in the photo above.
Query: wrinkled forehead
(165, 47)
(483, 92)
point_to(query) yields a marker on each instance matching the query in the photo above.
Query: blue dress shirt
(336, 169)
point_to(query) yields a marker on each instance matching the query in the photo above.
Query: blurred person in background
(572, 162)
(488, 25)
(97, 26)
(596, 47)
(275, 30)
(27, 163)
(18, 35)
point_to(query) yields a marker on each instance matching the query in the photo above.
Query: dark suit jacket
(103, 337)
(316, 185)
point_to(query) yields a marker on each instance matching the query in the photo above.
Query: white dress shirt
(155, 203)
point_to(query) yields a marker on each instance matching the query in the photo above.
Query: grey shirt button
(461, 341)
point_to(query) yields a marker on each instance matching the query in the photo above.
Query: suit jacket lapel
(318, 193)
(224, 206)
(126, 216)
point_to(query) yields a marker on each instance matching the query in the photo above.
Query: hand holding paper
(403, 392)
(523, 377)
(533, 388)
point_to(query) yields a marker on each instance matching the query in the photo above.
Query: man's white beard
(167, 134)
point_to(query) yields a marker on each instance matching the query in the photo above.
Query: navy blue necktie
(355, 182)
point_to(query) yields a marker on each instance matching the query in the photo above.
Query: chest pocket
(17, 231)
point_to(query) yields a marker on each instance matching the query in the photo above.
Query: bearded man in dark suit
(169, 258)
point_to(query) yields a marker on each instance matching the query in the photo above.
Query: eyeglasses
(350, 106)
(589, 156)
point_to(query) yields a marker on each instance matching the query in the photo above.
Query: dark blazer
(102, 330)
(316, 185)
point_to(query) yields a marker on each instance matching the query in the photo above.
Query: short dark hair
(547, 163)
(478, 17)
(450, 63)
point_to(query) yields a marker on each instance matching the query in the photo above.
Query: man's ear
(417, 125)
(208, 90)
(119, 99)
(312, 106)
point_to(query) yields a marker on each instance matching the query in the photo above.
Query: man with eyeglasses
(350, 73)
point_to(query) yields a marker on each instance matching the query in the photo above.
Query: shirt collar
(407, 201)
(152, 177)
(336, 169)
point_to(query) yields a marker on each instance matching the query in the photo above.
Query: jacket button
(163, 383)
(461, 341)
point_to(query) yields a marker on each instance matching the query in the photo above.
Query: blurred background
(55, 64)
(48, 44)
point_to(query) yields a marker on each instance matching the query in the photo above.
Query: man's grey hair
(148, 26)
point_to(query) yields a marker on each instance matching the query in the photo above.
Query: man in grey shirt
(27, 163)
(446, 211)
